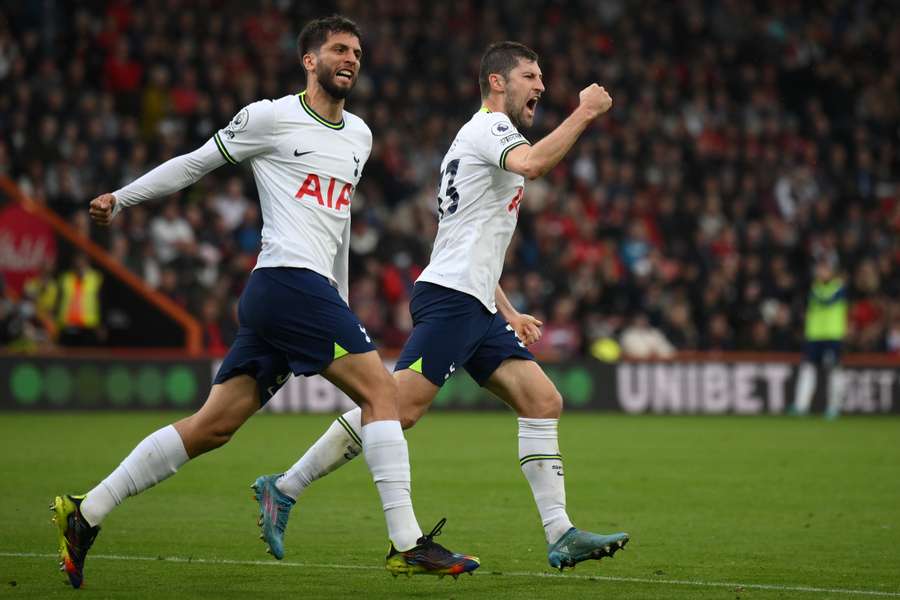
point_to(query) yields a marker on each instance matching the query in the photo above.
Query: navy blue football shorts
(452, 329)
(291, 321)
(824, 353)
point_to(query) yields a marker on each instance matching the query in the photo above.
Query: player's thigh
(227, 407)
(415, 396)
(253, 356)
(524, 386)
(448, 326)
(365, 379)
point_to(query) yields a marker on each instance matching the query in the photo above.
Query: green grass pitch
(724, 508)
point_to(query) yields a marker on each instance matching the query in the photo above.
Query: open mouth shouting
(531, 104)
(346, 74)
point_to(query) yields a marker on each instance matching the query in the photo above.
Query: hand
(101, 210)
(595, 100)
(527, 328)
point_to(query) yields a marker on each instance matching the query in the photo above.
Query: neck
(494, 103)
(323, 103)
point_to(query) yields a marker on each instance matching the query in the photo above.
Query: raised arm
(173, 175)
(248, 134)
(534, 161)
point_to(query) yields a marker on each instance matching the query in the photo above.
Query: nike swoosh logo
(298, 154)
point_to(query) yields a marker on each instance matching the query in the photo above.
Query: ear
(309, 61)
(498, 83)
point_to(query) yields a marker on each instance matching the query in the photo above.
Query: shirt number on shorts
(451, 194)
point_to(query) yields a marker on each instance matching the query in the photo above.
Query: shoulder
(355, 123)
(252, 116)
(356, 126)
(487, 127)
(497, 123)
(276, 106)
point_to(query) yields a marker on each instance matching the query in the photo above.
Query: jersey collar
(316, 116)
(484, 109)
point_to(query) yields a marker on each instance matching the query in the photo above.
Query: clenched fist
(102, 209)
(527, 328)
(595, 99)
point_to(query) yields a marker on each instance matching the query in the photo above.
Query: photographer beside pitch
(462, 318)
(293, 313)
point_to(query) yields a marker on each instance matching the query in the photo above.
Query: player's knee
(410, 416)
(200, 436)
(550, 405)
(546, 405)
(220, 435)
(382, 392)
(210, 437)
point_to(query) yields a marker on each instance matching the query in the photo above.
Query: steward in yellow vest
(79, 305)
(826, 326)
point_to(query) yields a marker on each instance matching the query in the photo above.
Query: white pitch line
(273, 563)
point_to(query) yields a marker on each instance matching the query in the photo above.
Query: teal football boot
(274, 508)
(576, 546)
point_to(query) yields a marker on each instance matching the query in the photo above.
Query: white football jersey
(306, 170)
(478, 205)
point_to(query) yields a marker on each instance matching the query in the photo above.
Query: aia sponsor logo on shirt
(313, 187)
(516, 202)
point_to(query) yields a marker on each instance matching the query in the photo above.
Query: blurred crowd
(746, 140)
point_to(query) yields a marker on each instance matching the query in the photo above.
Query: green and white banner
(700, 387)
(33, 383)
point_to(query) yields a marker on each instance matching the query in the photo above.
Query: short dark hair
(501, 58)
(316, 32)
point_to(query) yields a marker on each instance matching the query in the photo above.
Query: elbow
(532, 171)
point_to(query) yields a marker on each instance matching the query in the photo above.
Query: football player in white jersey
(307, 154)
(461, 317)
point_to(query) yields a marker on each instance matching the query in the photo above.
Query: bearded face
(523, 90)
(337, 64)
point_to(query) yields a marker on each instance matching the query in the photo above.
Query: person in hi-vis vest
(79, 305)
(826, 326)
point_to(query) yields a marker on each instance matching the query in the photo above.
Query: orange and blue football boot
(428, 557)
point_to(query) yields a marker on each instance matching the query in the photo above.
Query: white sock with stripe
(157, 457)
(542, 465)
(340, 444)
(388, 458)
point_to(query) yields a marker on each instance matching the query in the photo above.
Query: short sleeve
(497, 138)
(248, 134)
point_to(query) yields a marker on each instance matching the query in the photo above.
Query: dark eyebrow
(342, 46)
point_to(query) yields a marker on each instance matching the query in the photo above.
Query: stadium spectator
(745, 138)
(172, 234)
(641, 340)
(42, 292)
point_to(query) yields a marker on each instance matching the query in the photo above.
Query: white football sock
(340, 444)
(388, 458)
(542, 465)
(806, 387)
(158, 456)
(837, 384)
